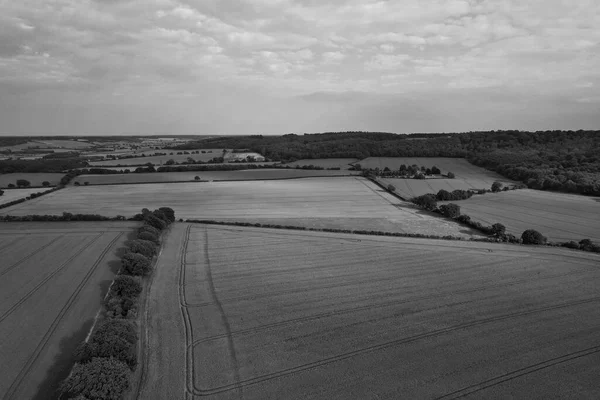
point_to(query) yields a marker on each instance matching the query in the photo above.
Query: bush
(451, 175)
(465, 219)
(126, 286)
(143, 247)
(113, 338)
(155, 222)
(450, 210)
(444, 195)
(149, 237)
(426, 201)
(571, 245)
(99, 379)
(498, 229)
(136, 264)
(149, 229)
(531, 236)
(11, 185)
(391, 188)
(496, 186)
(168, 211)
(23, 183)
(45, 183)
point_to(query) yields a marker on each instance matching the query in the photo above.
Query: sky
(91, 67)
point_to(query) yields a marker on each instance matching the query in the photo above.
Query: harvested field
(256, 313)
(16, 194)
(53, 277)
(468, 176)
(343, 163)
(241, 175)
(335, 202)
(558, 216)
(36, 179)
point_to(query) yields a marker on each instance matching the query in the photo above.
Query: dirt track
(255, 314)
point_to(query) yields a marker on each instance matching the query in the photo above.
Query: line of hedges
(29, 197)
(105, 362)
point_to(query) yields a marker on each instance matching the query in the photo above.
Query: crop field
(160, 160)
(16, 194)
(53, 277)
(333, 202)
(257, 313)
(468, 176)
(36, 179)
(242, 175)
(343, 163)
(559, 216)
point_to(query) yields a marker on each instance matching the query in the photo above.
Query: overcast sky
(281, 66)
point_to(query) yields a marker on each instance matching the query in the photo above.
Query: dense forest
(567, 161)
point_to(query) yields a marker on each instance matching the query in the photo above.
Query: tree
(531, 236)
(498, 229)
(23, 183)
(391, 188)
(86, 183)
(136, 264)
(170, 161)
(77, 184)
(444, 195)
(45, 184)
(196, 178)
(1, 192)
(451, 175)
(99, 379)
(496, 186)
(427, 201)
(450, 210)
(11, 185)
(435, 170)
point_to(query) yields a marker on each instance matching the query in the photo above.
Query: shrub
(155, 222)
(126, 286)
(23, 183)
(1, 192)
(168, 211)
(197, 178)
(11, 185)
(149, 237)
(498, 229)
(450, 210)
(99, 379)
(391, 188)
(149, 229)
(161, 215)
(570, 245)
(465, 219)
(435, 170)
(143, 247)
(531, 236)
(426, 201)
(136, 264)
(45, 183)
(496, 186)
(113, 338)
(451, 175)
(444, 195)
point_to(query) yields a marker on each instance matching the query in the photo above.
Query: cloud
(278, 48)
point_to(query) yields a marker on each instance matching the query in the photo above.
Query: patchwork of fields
(468, 176)
(36, 179)
(343, 163)
(53, 277)
(344, 202)
(241, 175)
(559, 216)
(292, 315)
(160, 160)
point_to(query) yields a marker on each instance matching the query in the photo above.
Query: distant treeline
(41, 165)
(566, 161)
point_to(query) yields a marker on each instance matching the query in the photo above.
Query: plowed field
(53, 277)
(255, 314)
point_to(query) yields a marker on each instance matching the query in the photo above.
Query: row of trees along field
(566, 161)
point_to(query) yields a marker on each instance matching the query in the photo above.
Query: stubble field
(335, 202)
(16, 194)
(255, 313)
(53, 277)
(559, 216)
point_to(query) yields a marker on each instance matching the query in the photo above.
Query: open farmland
(16, 194)
(468, 176)
(343, 163)
(160, 160)
(558, 216)
(187, 176)
(36, 179)
(334, 202)
(256, 313)
(53, 277)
